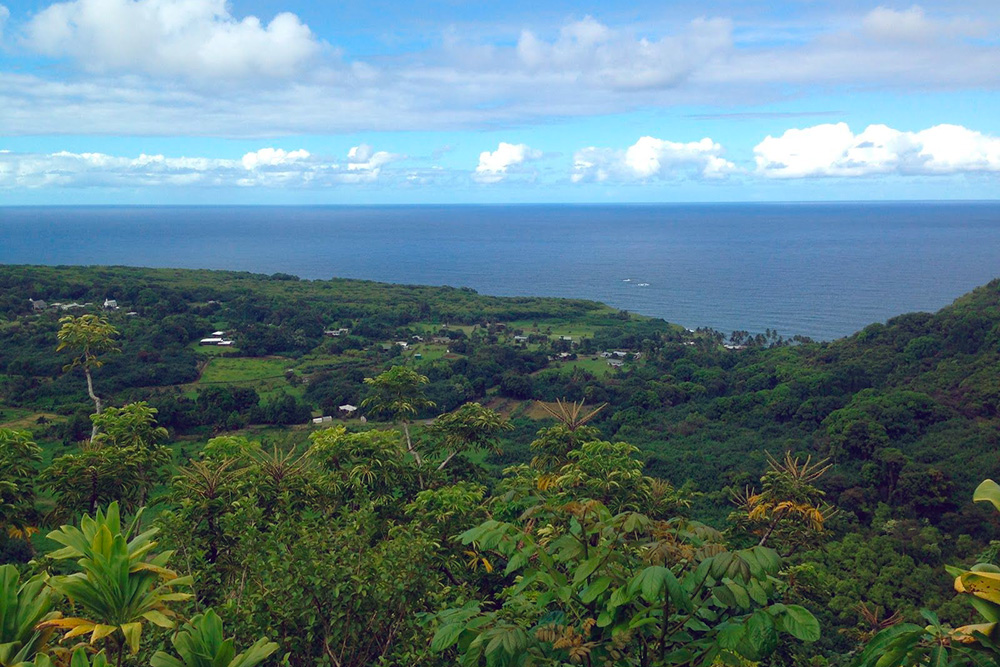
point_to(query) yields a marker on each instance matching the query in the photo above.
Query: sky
(452, 101)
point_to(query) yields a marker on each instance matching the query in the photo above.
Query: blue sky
(286, 101)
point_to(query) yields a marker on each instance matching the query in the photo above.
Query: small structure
(441, 340)
(565, 355)
(348, 410)
(418, 339)
(131, 313)
(620, 354)
(568, 339)
(219, 334)
(322, 420)
(616, 363)
(213, 340)
(110, 304)
(403, 344)
(336, 333)
(225, 343)
(38, 305)
(520, 339)
(418, 356)
(606, 355)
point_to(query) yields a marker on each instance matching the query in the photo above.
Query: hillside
(906, 411)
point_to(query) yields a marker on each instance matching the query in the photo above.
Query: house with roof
(110, 304)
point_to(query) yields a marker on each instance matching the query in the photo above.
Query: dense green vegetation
(739, 498)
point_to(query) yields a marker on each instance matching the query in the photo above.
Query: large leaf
(798, 622)
(988, 491)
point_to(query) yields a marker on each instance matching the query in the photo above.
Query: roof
(348, 407)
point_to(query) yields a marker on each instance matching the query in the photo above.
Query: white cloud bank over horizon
(650, 158)
(197, 39)
(507, 159)
(833, 150)
(267, 167)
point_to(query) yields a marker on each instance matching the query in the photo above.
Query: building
(322, 420)
(418, 339)
(212, 340)
(616, 363)
(336, 333)
(403, 344)
(348, 410)
(520, 339)
(38, 305)
(441, 340)
(110, 304)
(219, 334)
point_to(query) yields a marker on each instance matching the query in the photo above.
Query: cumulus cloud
(495, 166)
(834, 150)
(650, 158)
(144, 68)
(267, 167)
(189, 38)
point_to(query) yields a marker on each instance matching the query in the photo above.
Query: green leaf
(591, 592)
(799, 623)
(587, 568)
(730, 635)
(760, 636)
(446, 636)
(988, 491)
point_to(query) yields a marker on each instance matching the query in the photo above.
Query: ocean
(819, 270)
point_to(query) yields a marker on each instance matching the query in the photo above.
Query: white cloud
(588, 51)
(914, 25)
(4, 15)
(496, 166)
(157, 67)
(834, 150)
(198, 39)
(267, 167)
(650, 158)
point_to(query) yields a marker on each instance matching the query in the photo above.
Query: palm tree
(88, 336)
(120, 586)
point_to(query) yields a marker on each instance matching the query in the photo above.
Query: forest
(375, 474)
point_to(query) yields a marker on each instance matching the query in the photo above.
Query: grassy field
(230, 370)
(598, 367)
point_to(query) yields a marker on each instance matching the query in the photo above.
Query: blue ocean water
(821, 270)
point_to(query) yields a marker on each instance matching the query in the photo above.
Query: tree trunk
(449, 458)
(95, 398)
(416, 454)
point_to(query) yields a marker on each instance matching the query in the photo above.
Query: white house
(110, 304)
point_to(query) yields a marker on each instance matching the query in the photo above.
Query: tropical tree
(201, 643)
(589, 584)
(19, 456)
(788, 512)
(471, 427)
(87, 337)
(132, 425)
(977, 644)
(120, 585)
(22, 607)
(132, 431)
(399, 394)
